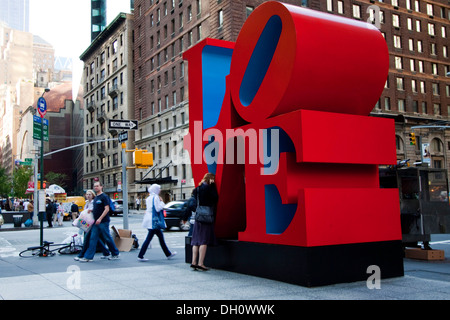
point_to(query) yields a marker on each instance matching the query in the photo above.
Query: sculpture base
(305, 266)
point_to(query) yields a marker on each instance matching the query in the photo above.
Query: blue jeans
(96, 231)
(100, 245)
(150, 234)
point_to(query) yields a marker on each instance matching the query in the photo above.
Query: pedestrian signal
(142, 158)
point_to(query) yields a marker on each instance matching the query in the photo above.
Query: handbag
(203, 214)
(84, 221)
(157, 218)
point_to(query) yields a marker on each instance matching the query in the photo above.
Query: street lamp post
(42, 109)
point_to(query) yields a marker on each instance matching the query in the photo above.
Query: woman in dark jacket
(203, 234)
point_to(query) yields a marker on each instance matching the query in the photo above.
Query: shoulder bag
(158, 218)
(203, 214)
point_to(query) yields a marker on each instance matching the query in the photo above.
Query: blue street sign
(42, 106)
(37, 128)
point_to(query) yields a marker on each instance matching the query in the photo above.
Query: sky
(65, 24)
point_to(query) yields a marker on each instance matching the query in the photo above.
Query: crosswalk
(7, 249)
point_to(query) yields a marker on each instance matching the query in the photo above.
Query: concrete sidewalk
(60, 277)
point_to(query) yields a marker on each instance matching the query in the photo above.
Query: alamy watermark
(73, 282)
(374, 280)
(234, 146)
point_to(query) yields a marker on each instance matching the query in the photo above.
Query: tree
(20, 181)
(56, 178)
(5, 183)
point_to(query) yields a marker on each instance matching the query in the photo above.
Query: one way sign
(123, 124)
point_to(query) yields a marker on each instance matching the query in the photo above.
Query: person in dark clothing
(189, 213)
(49, 212)
(203, 234)
(74, 210)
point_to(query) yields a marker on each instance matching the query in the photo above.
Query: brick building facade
(417, 90)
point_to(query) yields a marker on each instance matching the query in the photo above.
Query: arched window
(437, 146)
(400, 145)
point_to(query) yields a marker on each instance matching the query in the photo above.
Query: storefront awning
(160, 181)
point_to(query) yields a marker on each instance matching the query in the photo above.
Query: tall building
(108, 94)
(65, 119)
(417, 90)
(163, 31)
(16, 13)
(43, 62)
(98, 17)
(16, 88)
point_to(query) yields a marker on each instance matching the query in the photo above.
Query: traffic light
(142, 158)
(412, 139)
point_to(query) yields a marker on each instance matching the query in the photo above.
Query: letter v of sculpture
(299, 84)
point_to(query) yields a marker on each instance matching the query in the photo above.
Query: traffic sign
(37, 128)
(123, 124)
(123, 136)
(42, 106)
(27, 162)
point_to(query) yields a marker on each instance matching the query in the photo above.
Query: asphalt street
(61, 278)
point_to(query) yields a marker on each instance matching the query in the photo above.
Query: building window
(387, 103)
(401, 105)
(422, 87)
(356, 11)
(437, 109)
(400, 84)
(397, 42)
(396, 20)
(431, 31)
(398, 63)
(412, 65)
(220, 17)
(414, 86)
(248, 11)
(340, 7)
(435, 87)
(424, 107)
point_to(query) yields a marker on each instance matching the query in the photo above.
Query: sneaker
(113, 257)
(77, 258)
(142, 259)
(172, 255)
(104, 257)
(85, 260)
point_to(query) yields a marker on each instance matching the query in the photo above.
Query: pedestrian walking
(30, 208)
(101, 226)
(49, 212)
(89, 206)
(59, 213)
(138, 203)
(203, 233)
(154, 205)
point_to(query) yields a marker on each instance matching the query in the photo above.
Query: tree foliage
(5, 183)
(56, 178)
(20, 180)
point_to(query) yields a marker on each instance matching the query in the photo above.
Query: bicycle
(46, 251)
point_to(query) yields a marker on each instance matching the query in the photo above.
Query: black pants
(49, 219)
(151, 233)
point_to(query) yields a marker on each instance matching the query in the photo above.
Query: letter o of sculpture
(284, 60)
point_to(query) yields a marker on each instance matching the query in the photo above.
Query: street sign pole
(41, 214)
(124, 186)
(35, 192)
(42, 109)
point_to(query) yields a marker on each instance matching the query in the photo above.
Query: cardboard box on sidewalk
(422, 254)
(123, 239)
